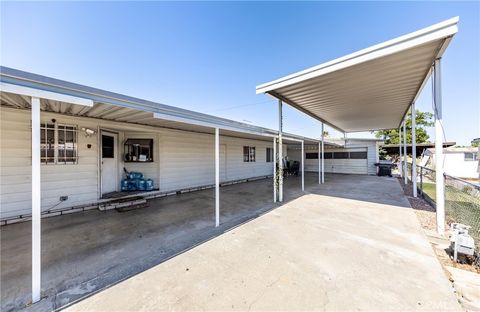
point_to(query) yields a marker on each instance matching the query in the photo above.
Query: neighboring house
(85, 148)
(356, 156)
(461, 162)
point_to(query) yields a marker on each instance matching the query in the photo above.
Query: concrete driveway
(87, 251)
(351, 244)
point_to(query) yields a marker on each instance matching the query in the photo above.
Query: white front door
(109, 165)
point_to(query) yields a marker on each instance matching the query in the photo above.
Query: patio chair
(295, 168)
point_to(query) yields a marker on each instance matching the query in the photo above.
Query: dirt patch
(444, 255)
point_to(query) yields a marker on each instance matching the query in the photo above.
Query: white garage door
(353, 161)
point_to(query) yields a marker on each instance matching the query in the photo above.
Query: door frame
(100, 164)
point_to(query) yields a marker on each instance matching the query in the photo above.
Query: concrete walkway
(353, 244)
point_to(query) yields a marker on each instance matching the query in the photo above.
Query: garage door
(353, 161)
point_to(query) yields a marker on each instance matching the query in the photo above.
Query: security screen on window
(249, 154)
(58, 144)
(47, 143)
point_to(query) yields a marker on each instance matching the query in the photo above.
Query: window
(58, 144)
(358, 155)
(328, 155)
(249, 154)
(139, 150)
(108, 146)
(269, 155)
(470, 156)
(67, 144)
(311, 156)
(340, 155)
(47, 143)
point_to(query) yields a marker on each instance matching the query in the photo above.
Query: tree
(423, 120)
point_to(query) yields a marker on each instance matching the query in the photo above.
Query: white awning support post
(319, 162)
(36, 202)
(323, 153)
(217, 177)
(405, 170)
(414, 152)
(280, 152)
(303, 166)
(275, 170)
(400, 163)
(439, 180)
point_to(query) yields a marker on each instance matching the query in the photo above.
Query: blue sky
(209, 56)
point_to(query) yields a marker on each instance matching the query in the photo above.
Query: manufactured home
(86, 151)
(66, 147)
(460, 162)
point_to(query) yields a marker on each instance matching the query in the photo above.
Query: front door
(109, 166)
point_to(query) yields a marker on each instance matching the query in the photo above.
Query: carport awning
(370, 89)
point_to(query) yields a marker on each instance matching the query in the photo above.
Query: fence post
(421, 181)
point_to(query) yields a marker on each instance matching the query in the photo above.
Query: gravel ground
(425, 212)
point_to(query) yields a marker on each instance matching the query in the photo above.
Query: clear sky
(209, 56)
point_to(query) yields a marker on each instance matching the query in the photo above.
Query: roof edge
(66, 88)
(434, 32)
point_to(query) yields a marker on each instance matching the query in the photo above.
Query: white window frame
(251, 154)
(269, 154)
(57, 160)
(473, 158)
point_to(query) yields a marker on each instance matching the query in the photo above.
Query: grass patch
(460, 207)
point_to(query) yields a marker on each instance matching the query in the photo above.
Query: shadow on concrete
(88, 251)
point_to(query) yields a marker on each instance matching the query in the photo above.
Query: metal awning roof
(370, 89)
(122, 108)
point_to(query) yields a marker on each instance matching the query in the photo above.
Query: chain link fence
(462, 198)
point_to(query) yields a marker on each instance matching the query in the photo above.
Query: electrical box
(460, 240)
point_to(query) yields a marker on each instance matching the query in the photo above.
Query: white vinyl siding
(372, 152)
(181, 160)
(350, 166)
(77, 181)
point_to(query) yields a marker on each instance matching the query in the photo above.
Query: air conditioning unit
(460, 240)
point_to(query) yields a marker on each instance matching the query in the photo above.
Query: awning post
(280, 152)
(323, 153)
(405, 175)
(439, 181)
(400, 163)
(319, 162)
(36, 202)
(414, 151)
(275, 170)
(217, 177)
(303, 166)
